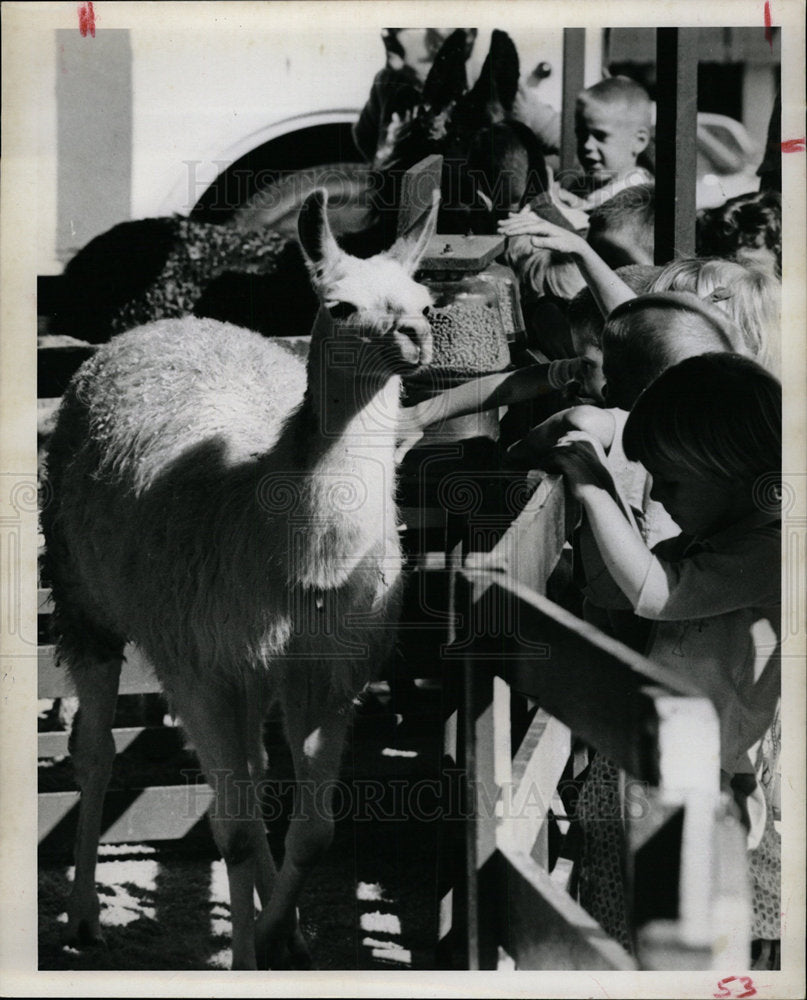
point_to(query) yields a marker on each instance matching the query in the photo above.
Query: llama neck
(351, 403)
(341, 451)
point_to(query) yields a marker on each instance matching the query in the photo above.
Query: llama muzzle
(413, 340)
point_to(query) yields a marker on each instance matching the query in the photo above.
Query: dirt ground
(371, 904)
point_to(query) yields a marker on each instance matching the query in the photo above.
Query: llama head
(371, 305)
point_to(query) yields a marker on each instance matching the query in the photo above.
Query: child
(709, 432)
(623, 230)
(586, 322)
(649, 333)
(749, 295)
(747, 228)
(613, 128)
(555, 263)
(612, 125)
(640, 339)
(544, 236)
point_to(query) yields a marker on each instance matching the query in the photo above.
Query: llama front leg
(316, 731)
(92, 749)
(215, 721)
(255, 709)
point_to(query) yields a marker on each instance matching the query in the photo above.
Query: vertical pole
(453, 948)
(485, 893)
(574, 51)
(468, 758)
(676, 142)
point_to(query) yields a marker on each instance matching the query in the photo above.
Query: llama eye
(341, 310)
(426, 310)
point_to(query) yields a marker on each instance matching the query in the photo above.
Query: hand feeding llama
(235, 518)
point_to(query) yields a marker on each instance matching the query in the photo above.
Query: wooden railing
(687, 890)
(132, 815)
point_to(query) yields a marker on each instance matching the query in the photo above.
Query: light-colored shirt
(580, 186)
(716, 604)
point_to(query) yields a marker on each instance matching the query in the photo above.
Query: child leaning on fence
(709, 432)
(641, 338)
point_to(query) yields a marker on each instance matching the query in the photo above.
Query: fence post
(676, 142)
(574, 51)
(452, 948)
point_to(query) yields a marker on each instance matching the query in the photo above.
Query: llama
(456, 123)
(233, 515)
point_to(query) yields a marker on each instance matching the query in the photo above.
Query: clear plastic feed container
(474, 318)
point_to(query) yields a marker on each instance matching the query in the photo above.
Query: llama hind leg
(92, 749)
(316, 733)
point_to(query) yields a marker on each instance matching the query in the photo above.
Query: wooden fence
(505, 898)
(131, 815)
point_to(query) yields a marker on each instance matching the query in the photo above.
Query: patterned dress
(601, 884)
(765, 860)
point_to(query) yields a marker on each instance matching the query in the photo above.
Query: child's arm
(487, 393)
(590, 419)
(608, 289)
(588, 422)
(708, 583)
(579, 457)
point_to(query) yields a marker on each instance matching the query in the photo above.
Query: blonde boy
(612, 124)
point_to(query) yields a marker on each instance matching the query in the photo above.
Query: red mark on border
(768, 32)
(794, 145)
(744, 987)
(86, 19)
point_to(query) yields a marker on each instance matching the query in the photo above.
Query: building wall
(93, 134)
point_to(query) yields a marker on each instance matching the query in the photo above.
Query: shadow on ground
(371, 904)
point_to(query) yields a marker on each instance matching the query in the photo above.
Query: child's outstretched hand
(580, 458)
(544, 235)
(406, 443)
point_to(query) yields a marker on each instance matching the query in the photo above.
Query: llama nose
(419, 332)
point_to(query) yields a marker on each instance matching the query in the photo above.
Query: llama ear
(411, 244)
(492, 96)
(315, 234)
(447, 80)
(506, 69)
